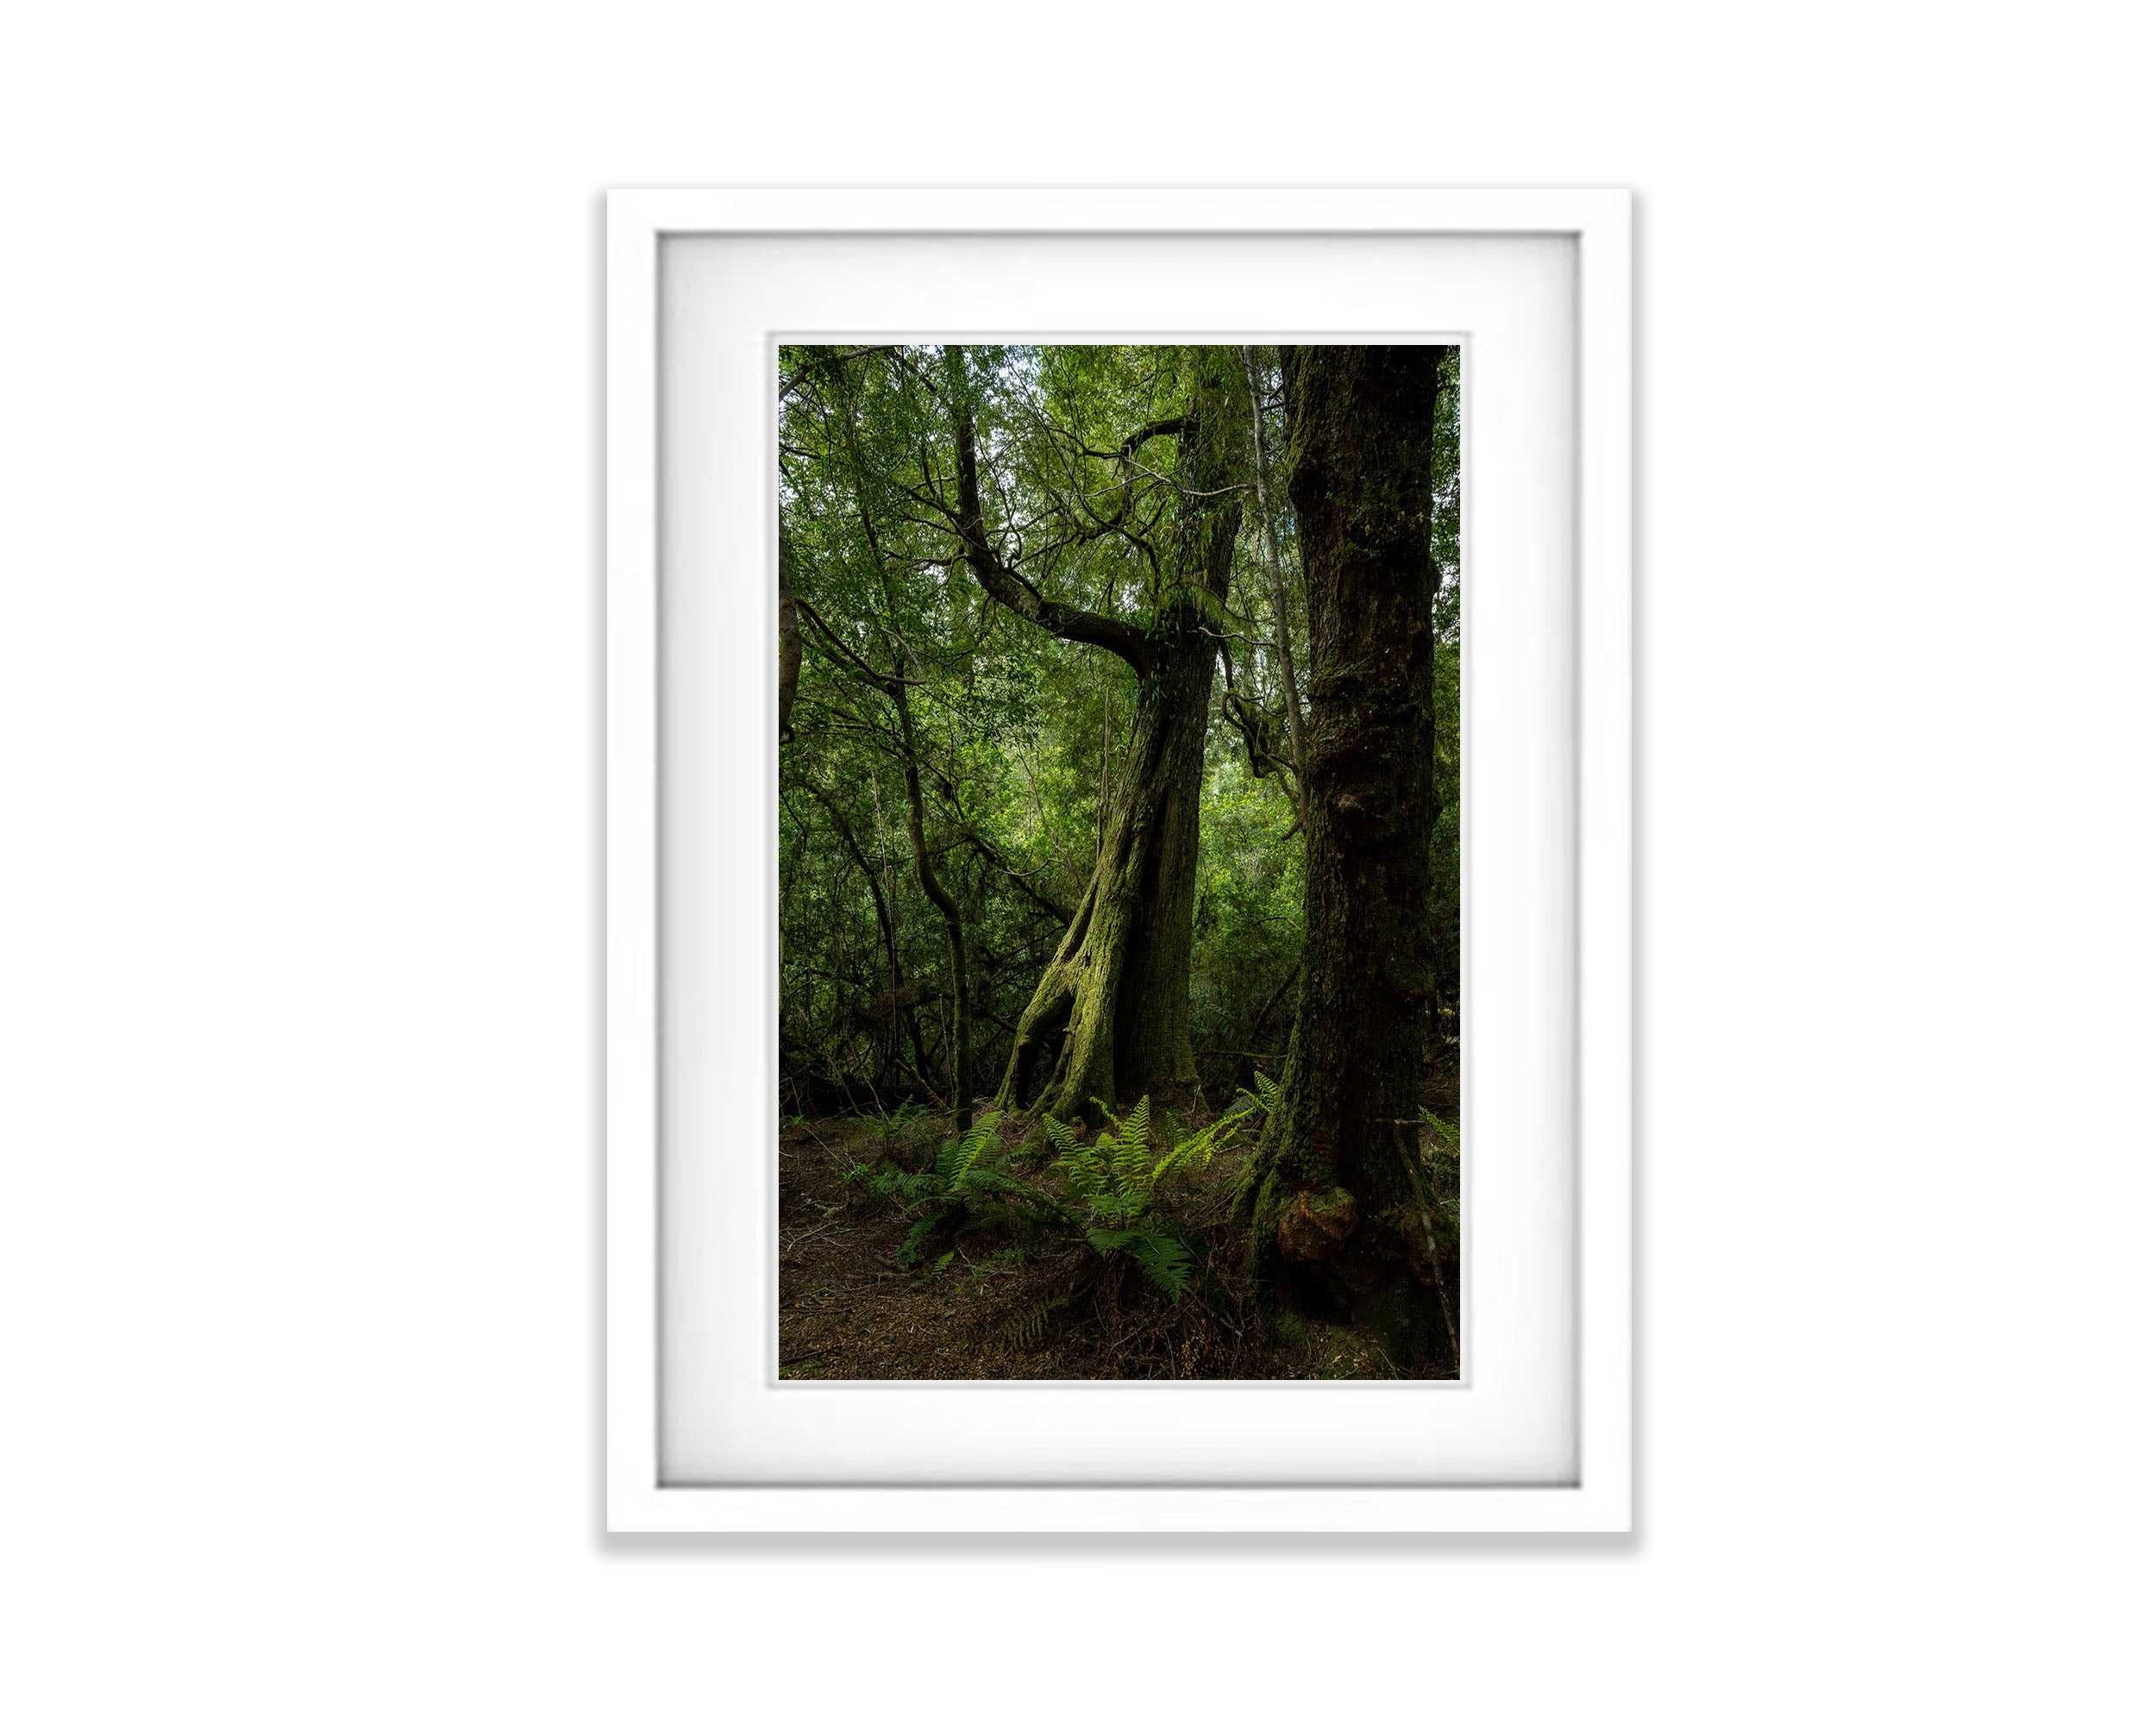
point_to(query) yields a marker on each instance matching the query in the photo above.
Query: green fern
(957, 1158)
(1127, 1143)
(1113, 1186)
(1110, 1189)
(1165, 1259)
(1441, 1163)
(1158, 1253)
(1029, 1324)
(969, 1185)
(910, 1248)
(1201, 1147)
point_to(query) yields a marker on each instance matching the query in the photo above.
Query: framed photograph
(1119, 832)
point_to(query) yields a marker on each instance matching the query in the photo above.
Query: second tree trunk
(1343, 1222)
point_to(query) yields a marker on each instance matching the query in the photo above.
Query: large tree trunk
(1111, 1014)
(1111, 1018)
(1342, 1211)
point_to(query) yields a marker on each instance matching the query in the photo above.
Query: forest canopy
(1069, 717)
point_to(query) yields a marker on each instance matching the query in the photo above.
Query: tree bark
(1111, 1017)
(1342, 1211)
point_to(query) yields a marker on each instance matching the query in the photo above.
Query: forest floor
(1001, 1305)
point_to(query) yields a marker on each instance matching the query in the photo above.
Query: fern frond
(1443, 1130)
(1265, 1099)
(1131, 1148)
(1442, 1142)
(1081, 1165)
(910, 1251)
(1201, 1147)
(970, 1149)
(906, 1189)
(1164, 1259)
(1026, 1328)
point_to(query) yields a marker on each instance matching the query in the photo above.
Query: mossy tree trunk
(1111, 1017)
(1342, 1213)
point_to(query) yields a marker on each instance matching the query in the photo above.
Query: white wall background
(299, 945)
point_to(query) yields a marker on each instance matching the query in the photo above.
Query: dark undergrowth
(1022, 1249)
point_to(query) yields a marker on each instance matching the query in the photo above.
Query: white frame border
(1601, 222)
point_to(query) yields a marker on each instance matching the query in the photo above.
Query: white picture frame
(650, 1200)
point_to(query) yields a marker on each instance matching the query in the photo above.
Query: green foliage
(1155, 1249)
(1199, 1148)
(1020, 736)
(1112, 1193)
(1263, 1101)
(1030, 1323)
(1115, 1185)
(894, 1129)
(1444, 838)
(960, 1156)
(1267, 1094)
(1443, 1139)
(969, 1185)
(1441, 1163)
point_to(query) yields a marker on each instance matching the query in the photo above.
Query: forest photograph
(1119, 862)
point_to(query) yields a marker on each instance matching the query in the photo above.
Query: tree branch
(1062, 912)
(1156, 427)
(796, 380)
(889, 682)
(1005, 587)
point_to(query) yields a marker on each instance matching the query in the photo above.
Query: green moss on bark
(1360, 422)
(1111, 1018)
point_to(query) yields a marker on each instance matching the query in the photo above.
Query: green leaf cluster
(1114, 1189)
(1021, 738)
(969, 1185)
(1116, 1182)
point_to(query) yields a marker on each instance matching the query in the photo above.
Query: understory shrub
(1114, 1190)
